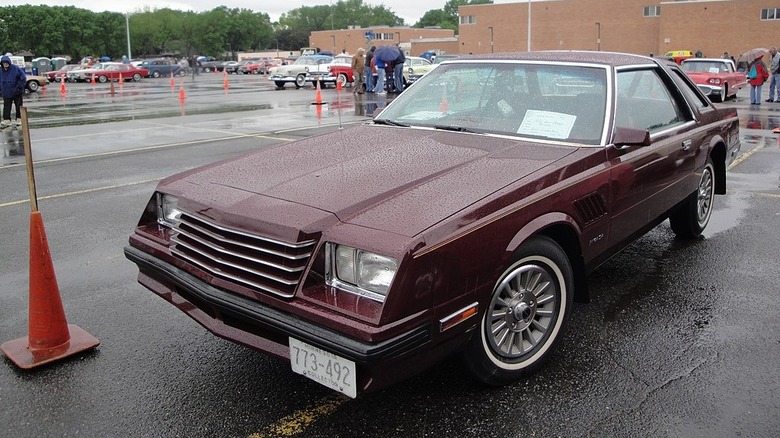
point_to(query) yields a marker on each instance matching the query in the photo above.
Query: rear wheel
(156, 74)
(206, 69)
(137, 77)
(525, 316)
(690, 219)
(102, 79)
(33, 86)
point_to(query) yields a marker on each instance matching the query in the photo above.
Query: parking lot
(679, 339)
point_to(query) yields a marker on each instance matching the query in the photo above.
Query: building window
(770, 14)
(652, 11)
(384, 36)
(468, 19)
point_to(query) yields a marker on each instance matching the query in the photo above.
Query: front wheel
(721, 97)
(102, 79)
(155, 74)
(342, 79)
(137, 77)
(690, 219)
(525, 316)
(300, 81)
(32, 86)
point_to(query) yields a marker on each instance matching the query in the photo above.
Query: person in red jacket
(757, 75)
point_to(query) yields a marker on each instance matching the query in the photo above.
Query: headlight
(360, 272)
(168, 212)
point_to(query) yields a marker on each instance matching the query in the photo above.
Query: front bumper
(261, 327)
(309, 78)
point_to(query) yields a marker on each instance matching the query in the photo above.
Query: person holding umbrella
(757, 75)
(383, 55)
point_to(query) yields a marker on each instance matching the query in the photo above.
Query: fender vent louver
(590, 208)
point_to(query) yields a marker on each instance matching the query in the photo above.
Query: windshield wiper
(456, 129)
(389, 122)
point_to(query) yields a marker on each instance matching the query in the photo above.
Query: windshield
(559, 102)
(704, 66)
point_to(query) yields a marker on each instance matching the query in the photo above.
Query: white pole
(127, 26)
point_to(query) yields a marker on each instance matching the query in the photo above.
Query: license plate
(323, 367)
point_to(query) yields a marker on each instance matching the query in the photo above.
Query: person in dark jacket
(12, 84)
(398, 70)
(369, 70)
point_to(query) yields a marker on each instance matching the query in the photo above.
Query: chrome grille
(248, 259)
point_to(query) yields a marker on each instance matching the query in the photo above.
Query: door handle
(686, 144)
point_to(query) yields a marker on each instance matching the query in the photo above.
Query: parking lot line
(80, 192)
(298, 421)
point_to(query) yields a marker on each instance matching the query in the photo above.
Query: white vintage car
(306, 69)
(415, 67)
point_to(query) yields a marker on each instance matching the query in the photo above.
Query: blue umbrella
(386, 54)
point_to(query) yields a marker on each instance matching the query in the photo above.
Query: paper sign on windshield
(547, 124)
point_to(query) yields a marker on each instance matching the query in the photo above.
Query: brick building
(633, 26)
(350, 39)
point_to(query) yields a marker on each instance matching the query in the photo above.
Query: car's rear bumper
(263, 328)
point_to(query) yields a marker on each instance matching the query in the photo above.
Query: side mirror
(625, 137)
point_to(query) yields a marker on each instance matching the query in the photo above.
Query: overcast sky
(410, 10)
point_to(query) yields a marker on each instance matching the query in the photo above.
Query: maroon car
(463, 219)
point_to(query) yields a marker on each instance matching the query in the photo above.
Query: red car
(57, 75)
(128, 72)
(466, 225)
(717, 78)
(341, 69)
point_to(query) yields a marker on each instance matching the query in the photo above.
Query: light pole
(598, 38)
(491, 38)
(127, 27)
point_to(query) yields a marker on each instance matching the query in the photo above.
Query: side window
(686, 87)
(644, 102)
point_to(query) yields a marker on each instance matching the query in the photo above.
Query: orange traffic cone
(43, 90)
(225, 83)
(318, 96)
(173, 83)
(62, 86)
(111, 88)
(182, 94)
(121, 81)
(443, 107)
(338, 85)
(93, 79)
(50, 337)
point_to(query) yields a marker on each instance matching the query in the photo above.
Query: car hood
(400, 180)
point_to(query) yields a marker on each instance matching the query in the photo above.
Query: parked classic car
(305, 69)
(162, 67)
(57, 75)
(113, 72)
(415, 67)
(717, 78)
(341, 69)
(678, 56)
(80, 74)
(468, 224)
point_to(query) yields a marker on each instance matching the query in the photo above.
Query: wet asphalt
(680, 339)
